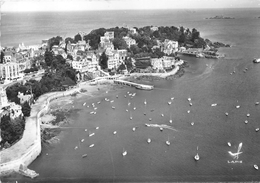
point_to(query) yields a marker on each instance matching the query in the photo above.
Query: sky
(82, 5)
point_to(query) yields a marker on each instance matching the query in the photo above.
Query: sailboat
(145, 102)
(124, 152)
(226, 114)
(170, 118)
(129, 103)
(229, 144)
(169, 103)
(162, 115)
(248, 115)
(197, 157)
(131, 116)
(189, 99)
(91, 134)
(92, 145)
(256, 167)
(246, 121)
(149, 140)
(168, 142)
(134, 107)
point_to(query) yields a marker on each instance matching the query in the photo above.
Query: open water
(206, 81)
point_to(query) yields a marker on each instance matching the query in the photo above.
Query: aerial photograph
(129, 91)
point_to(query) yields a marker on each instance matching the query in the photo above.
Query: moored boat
(256, 167)
(255, 60)
(124, 152)
(84, 155)
(92, 145)
(257, 129)
(149, 140)
(213, 105)
(197, 157)
(229, 144)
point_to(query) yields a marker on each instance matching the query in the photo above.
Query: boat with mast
(197, 157)
(145, 102)
(124, 152)
(170, 118)
(168, 141)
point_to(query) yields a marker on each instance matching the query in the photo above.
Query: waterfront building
(169, 46)
(3, 98)
(157, 63)
(9, 71)
(15, 110)
(168, 62)
(132, 31)
(25, 98)
(109, 35)
(154, 28)
(129, 41)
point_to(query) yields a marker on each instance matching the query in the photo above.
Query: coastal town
(64, 64)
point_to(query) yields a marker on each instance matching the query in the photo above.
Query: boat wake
(160, 126)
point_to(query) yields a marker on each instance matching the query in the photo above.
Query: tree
(54, 41)
(2, 57)
(77, 38)
(103, 60)
(26, 109)
(48, 57)
(119, 43)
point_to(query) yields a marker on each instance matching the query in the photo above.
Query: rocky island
(220, 17)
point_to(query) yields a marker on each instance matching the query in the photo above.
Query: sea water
(206, 81)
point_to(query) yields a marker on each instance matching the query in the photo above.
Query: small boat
(256, 60)
(229, 144)
(257, 129)
(246, 121)
(114, 132)
(116, 96)
(129, 103)
(92, 112)
(124, 152)
(257, 103)
(125, 96)
(188, 111)
(98, 102)
(169, 103)
(197, 157)
(111, 101)
(150, 119)
(97, 128)
(88, 106)
(84, 155)
(113, 107)
(95, 108)
(238, 106)
(134, 94)
(130, 116)
(93, 104)
(162, 115)
(231, 73)
(256, 167)
(168, 142)
(126, 110)
(76, 147)
(84, 104)
(91, 134)
(144, 113)
(82, 140)
(226, 114)
(161, 129)
(134, 108)
(189, 99)
(145, 102)
(170, 118)
(213, 105)
(86, 130)
(134, 128)
(106, 91)
(92, 145)
(172, 98)
(190, 104)
(248, 115)
(149, 140)
(192, 123)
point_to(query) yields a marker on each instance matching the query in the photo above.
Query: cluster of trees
(2, 57)
(54, 41)
(11, 130)
(33, 69)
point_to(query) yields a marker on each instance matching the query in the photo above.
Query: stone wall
(32, 151)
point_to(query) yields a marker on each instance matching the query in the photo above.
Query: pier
(136, 85)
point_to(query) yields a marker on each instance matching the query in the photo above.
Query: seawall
(26, 150)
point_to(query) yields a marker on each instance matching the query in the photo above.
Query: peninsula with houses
(29, 74)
